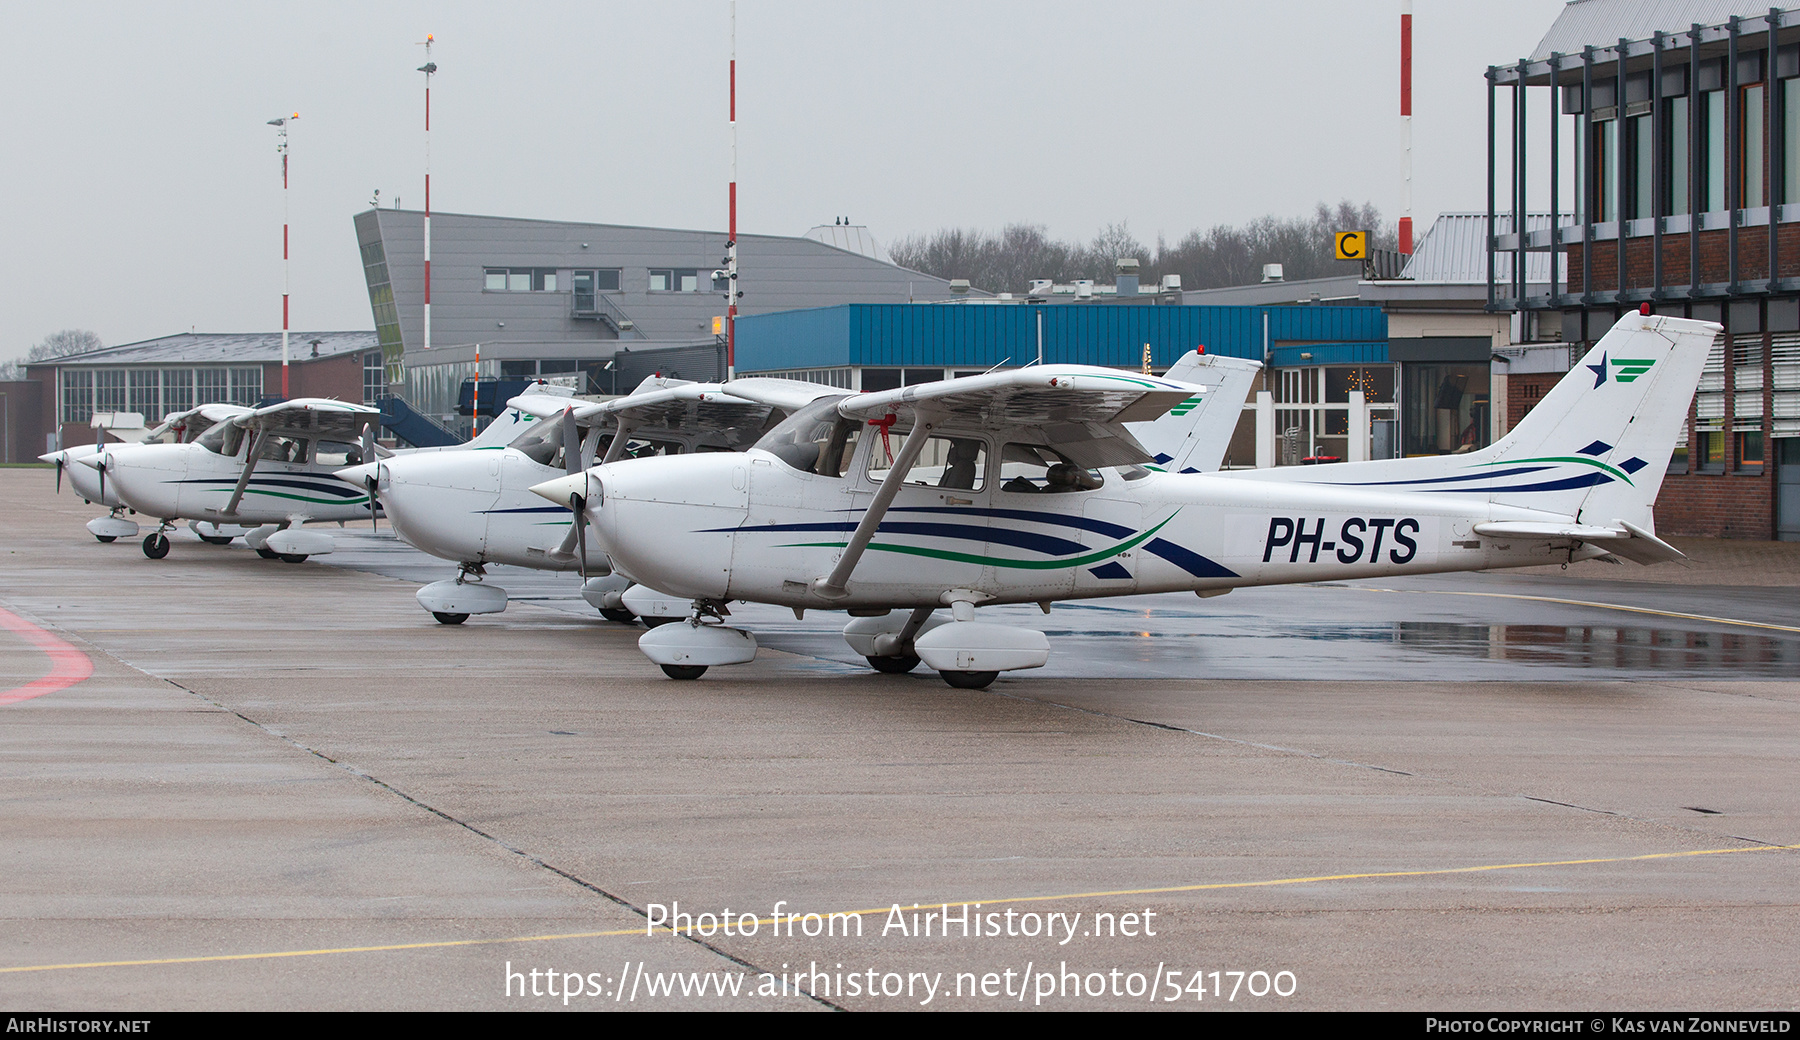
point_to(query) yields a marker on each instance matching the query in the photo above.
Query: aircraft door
(936, 531)
(1107, 524)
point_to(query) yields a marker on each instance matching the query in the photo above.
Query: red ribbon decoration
(886, 423)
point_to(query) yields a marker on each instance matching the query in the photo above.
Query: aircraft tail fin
(1594, 449)
(1598, 444)
(1192, 437)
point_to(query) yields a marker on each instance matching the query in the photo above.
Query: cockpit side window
(1036, 469)
(957, 463)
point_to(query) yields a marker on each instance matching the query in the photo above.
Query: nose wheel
(156, 546)
(684, 671)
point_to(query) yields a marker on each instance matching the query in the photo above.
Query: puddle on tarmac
(1599, 647)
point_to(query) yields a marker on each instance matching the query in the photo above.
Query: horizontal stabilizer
(1627, 540)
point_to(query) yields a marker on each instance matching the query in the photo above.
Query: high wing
(311, 417)
(789, 395)
(1077, 409)
(190, 424)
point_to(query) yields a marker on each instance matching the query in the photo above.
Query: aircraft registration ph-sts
(1025, 487)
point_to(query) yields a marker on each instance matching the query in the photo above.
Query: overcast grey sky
(141, 195)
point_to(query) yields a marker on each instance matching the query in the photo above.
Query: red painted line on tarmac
(68, 665)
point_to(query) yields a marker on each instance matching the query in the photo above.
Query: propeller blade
(578, 506)
(374, 522)
(59, 466)
(571, 443)
(102, 468)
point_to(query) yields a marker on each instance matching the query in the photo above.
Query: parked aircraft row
(912, 509)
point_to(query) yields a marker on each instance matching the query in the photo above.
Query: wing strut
(621, 434)
(237, 494)
(832, 585)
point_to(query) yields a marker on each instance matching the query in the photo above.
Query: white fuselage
(476, 507)
(746, 526)
(189, 481)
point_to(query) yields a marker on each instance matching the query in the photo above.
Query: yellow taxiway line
(1169, 890)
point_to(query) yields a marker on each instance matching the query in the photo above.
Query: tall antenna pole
(1406, 238)
(731, 250)
(428, 68)
(281, 131)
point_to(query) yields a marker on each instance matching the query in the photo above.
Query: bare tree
(1220, 256)
(55, 345)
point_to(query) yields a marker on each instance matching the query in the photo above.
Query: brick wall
(1715, 258)
(1717, 505)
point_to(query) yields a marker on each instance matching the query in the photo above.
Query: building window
(519, 279)
(77, 395)
(246, 386)
(145, 394)
(1712, 136)
(212, 386)
(178, 389)
(1606, 169)
(109, 390)
(1677, 134)
(587, 285)
(675, 280)
(1751, 152)
(374, 377)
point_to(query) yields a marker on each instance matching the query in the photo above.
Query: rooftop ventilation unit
(1084, 288)
(1271, 272)
(1171, 283)
(959, 286)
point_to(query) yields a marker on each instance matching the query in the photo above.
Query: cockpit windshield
(814, 439)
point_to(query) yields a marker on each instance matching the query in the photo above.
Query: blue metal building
(878, 346)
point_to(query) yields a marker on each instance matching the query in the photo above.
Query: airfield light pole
(1406, 238)
(428, 68)
(731, 250)
(281, 130)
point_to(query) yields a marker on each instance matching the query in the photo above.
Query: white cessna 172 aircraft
(90, 481)
(267, 469)
(477, 509)
(1035, 492)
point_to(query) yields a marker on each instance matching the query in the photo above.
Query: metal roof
(219, 348)
(1603, 23)
(1454, 251)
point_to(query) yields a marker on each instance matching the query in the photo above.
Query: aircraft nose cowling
(358, 475)
(559, 490)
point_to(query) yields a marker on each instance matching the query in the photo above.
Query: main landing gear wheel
(896, 665)
(618, 614)
(292, 557)
(267, 554)
(216, 539)
(106, 537)
(156, 546)
(970, 680)
(447, 619)
(682, 671)
(652, 621)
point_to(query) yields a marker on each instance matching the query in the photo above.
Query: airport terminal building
(1678, 125)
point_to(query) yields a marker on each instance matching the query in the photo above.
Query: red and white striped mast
(731, 251)
(281, 130)
(428, 68)
(1406, 238)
